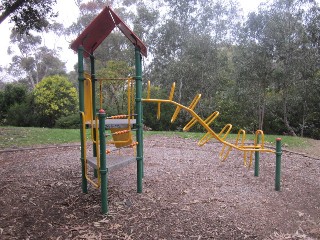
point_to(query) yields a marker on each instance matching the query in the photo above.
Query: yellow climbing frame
(221, 136)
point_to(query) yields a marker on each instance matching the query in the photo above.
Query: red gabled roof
(100, 28)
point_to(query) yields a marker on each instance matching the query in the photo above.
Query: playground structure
(257, 148)
(121, 126)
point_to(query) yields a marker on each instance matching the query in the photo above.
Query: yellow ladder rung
(212, 117)
(205, 139)
(172, 91)
(175, 114)
(190, 124)
(223, 158)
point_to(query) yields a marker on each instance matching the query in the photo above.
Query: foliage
(13, 94)
(260, 71)
(114, 92)
(27, 15)
(33, 62)
(71, 122)
(55, 97)
(23, 114)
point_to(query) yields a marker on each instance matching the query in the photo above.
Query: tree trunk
(285, 118)
(303, 118)
(11, 9)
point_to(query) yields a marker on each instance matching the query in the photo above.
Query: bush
(13, 94)
(20, 115)
(71, 121)
(55, 97)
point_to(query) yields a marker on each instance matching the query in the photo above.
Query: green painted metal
(256, 160)
(139, 135)
(278, 164)
(93, 93)
(93, 84)
(81, 109)
(103, 161)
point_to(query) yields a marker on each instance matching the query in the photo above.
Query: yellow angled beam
(172, 91)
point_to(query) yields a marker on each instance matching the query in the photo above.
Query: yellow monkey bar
(221, 136)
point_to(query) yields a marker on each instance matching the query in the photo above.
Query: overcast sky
(68, 13)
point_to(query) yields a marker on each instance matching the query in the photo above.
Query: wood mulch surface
(187, 194)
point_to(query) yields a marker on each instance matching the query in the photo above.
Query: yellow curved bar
(227, 127)
(172, 91)
(159, 111)
(96, 184)
(205, 139)
(194, 101)
(250, 161)
(208, 121)
(212, 117)
(189, 124)
(223, 158)
(242, 133)
(225, 130)
(259, 132)
(175, 114)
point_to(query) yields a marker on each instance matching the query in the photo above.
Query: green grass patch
(16, 137)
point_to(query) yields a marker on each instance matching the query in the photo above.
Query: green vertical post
(278, 164)
(256, 160)
(93, 79)
(81, 109)
(93, 99)
(103, 161)
(139, 133)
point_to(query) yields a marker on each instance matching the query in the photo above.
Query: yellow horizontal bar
(206, 126)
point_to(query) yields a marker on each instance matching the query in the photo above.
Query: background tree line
(259, 71)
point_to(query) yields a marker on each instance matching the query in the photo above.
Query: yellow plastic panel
(121, 140)
(87, 100)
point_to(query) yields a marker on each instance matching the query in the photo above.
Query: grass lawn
(16, 137)
(13, 137)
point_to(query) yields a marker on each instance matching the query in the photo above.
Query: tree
(33, 62)
(116, 91)
(27, 14)
(55, 97)
(277, 59)
(12, 94)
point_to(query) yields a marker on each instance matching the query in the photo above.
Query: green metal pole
(81, 109)
(139, 134)
(256, 160)
(278, 164)
(93, 87)
(103, 162)
(93, 79)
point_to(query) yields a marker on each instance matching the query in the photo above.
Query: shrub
(55, 97)
(71, 121)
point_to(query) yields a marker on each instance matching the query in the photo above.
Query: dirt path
(188, 194)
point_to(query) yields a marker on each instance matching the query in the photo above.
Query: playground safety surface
(188, 194)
